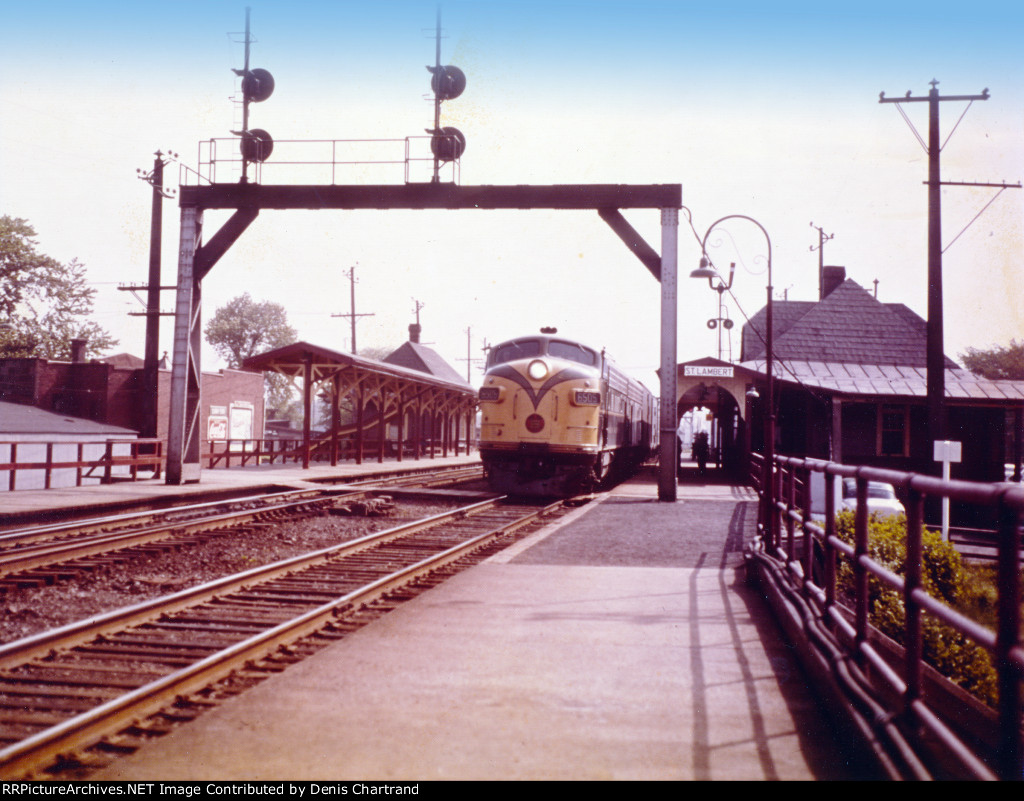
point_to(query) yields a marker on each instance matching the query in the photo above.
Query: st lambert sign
(707, 371)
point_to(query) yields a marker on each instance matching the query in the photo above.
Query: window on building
(893, 431)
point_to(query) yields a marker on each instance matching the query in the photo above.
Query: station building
(851, 386)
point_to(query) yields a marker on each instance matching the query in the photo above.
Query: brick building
(109, 391)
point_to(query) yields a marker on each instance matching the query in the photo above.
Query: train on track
(559, 418)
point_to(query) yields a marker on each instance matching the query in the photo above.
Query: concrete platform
(620, 644)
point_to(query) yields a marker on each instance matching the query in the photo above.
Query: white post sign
(948, 453)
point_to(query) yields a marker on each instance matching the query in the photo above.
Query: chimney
(832, 276)
(414, 333)
(78, 350)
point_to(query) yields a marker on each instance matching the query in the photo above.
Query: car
(882, 498)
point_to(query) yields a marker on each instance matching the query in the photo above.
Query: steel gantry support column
(669, 457)
(183, 434)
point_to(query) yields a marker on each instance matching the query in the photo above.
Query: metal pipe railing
(808, 555)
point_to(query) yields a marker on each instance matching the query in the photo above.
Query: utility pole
(351, 275)
(822, 239)
(935, 358)
(150, 369)
(469, 360)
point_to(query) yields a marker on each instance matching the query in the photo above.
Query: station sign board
(708, 371)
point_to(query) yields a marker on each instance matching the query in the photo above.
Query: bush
(943, 577)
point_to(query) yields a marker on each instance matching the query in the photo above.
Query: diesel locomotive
(558, 418)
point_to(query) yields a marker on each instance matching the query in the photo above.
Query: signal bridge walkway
(620, 643)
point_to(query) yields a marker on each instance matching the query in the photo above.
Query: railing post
(830, 534)
(790, 499)
(80, 451)
(49, 463)
(1007, 638)
(860, 572)
(108, 458)
(11, 480)
(912, 581)
(775, 493)
(805, 506)
(766, 505)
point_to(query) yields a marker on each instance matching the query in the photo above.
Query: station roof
(890, 380)
(17, 419)
(291, 360)
(849, 325)
(423, 359)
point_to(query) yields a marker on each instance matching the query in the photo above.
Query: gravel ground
(27, 611)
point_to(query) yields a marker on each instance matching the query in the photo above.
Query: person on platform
(701, 451)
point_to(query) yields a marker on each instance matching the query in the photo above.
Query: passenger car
(882, 498)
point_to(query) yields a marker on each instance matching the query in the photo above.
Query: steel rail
(81, 730)
(16, 536)
(427, 477)
(42, 643)
(20, 560)
(49, 530)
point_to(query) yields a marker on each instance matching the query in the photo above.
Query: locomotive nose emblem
(534, 423)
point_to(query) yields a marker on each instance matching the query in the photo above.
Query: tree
(243, 328)
(43, 304)
(996, 362)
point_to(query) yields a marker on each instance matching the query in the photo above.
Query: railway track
(429, 478)
(43, 554)
(66, 693)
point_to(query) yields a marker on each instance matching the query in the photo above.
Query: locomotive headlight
(537, 370)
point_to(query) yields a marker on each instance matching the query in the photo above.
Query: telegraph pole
(469, 360)
(936, 357)
(351, 275)
(150, 369)
(822, 239)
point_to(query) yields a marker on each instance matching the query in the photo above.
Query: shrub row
(943, 577)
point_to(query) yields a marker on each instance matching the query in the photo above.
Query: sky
(765, 110)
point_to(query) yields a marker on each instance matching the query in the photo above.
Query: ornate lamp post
(719, 322)
(705, 270)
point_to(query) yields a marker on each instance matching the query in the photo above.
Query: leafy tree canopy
(1001, 361)
(242, 328)
(43, 304)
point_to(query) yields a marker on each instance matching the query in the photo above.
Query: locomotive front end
(541, 416)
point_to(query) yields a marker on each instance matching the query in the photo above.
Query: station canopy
(420, 407)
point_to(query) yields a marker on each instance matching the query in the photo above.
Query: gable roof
(126, 361)
(419, 357)
(848, 326)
